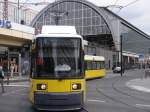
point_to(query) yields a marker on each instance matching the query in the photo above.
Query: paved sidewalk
(140, 84)
(17, 79)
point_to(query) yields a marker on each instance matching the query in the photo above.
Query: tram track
(81, 110)
(84, 110)
(125, 93)
(121, 93)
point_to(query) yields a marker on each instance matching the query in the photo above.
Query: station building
(22, 15)
(15, 38)
(14, 47)
(100, 27)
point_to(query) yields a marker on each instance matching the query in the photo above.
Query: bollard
(147, 73)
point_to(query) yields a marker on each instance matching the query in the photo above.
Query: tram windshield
(57, 58)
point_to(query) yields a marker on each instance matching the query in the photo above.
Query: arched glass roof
(86, 17)
(82, 14)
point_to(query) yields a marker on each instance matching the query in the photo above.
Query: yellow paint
(31, 93)
(55, 86)
(90, 74)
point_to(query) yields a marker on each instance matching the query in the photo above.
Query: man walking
(1, 77)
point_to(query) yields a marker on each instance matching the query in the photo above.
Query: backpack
(1, 74)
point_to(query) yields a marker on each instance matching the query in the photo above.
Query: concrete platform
(17, 79)
(142, 84)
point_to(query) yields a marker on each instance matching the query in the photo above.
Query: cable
(128, 5)
(26, 1)
(115, 3)
(131, 3)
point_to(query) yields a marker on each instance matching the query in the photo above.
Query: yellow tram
(57, 74)
(94, 66)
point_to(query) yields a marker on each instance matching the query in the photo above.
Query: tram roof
(58, 31)
(93, 58)
(53, 29)
(58, 35)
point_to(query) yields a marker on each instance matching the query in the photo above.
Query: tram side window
(102, 65)
(94, 65)
(98, 65)
(89, 66)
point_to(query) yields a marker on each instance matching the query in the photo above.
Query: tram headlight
(41, 86)
(76, 86)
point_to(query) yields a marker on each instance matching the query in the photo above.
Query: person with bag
(1, 78)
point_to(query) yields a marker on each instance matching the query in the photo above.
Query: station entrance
(10, 58)
(14, 49)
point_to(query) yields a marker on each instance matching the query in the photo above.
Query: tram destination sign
(5, 24)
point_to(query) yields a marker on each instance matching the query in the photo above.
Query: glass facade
(134, 42)
(86, 19)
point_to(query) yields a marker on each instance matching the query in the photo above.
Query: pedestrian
(1, 78)
(12, 70)
(6, 74)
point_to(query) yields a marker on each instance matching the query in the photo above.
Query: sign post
(121, 72)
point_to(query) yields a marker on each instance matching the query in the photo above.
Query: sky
(137, 12)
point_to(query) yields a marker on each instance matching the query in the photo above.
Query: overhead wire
(128, 5)
(131, 3)
(115, 4)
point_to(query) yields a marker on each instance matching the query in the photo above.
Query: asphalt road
(109, 94)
